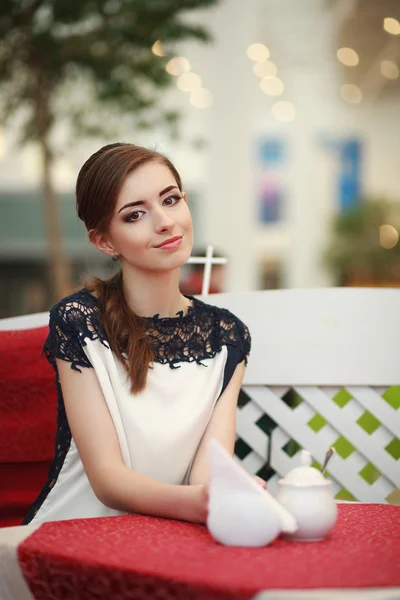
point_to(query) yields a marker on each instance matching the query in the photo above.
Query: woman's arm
(114, 484)
(221, 426)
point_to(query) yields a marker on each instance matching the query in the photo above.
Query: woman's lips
(170, 245)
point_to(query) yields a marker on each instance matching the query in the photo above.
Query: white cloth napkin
(241, 512)
(12, 582)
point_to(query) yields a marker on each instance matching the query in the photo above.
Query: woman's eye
(171, 200)
(134, 216)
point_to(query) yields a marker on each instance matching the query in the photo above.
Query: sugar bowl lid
(305, 475)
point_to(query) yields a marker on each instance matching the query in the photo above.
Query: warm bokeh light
(389, 69)
(283, 111)
(272, 86)
(201, 98)
(265, 69)
(258, 52)
(188, 82)
(158, 49)
(177, 66)
(348, 57)
(351, 93)
(388, 236)
(391, 25)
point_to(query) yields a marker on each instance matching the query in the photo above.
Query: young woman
(145, 375)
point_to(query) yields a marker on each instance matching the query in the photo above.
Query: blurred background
(282, 116)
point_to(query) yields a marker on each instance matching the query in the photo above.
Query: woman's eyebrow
(141, 202)
(168, 189)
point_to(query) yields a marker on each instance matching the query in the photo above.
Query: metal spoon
(328, 457)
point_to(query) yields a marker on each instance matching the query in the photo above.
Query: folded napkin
(241, 512)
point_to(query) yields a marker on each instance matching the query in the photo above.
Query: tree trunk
(59, 267)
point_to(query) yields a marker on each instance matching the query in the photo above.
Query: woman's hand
(260, 482)
(196, 510)
(196, 507)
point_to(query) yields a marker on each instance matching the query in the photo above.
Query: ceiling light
(283, 111)
(188, 82)
(201, 98)
(389, 69)
(158, 49)
(388, 236)
(351, 93)
(348, 57)
(177, 66)
(258, 52)
(391, 26)
(265, 69)
(272, 86)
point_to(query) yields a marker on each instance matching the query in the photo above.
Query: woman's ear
(184, 196)
(101, 241)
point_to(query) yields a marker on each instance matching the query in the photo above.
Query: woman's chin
(176, 259)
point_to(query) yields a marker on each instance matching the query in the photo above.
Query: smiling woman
(145, 375)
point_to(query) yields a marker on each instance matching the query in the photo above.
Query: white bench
(335, 352)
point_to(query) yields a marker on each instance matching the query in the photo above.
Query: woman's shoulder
(78, 313)
(226, 329)
(231, 327)
(81, 302)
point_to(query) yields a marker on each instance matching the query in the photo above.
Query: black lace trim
(62, 444)
(192, 337)
(72, 321)
(198, 335)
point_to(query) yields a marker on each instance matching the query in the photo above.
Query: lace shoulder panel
(72, 321)
(231, 330)
(235, 333)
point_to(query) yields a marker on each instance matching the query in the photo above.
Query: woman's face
(151, 210)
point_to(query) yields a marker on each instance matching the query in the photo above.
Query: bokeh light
(388, 236)
(391, 25)
(351, 93)
(177, 66)
(158, 49)
(258, 52)
(272, 86)
(188, 82)
(348, 57)
(283, 111)
(201, 98)
(389, 69)
(265, 69)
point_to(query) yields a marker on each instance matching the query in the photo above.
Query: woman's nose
(163, 222)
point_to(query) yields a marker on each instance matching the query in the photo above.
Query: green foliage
(355, 249)
(82, 58)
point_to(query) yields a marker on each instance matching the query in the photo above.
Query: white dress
(159, 429)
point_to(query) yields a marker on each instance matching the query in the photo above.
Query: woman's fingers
(260, 481)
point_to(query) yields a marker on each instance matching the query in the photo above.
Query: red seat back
(28, 416)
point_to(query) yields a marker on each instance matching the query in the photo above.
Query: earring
(115, 257)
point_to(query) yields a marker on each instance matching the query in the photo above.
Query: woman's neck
(148, 294)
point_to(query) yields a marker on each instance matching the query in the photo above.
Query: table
(138, 557)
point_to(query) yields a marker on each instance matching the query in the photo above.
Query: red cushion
(27, 397)
(22, 484)
(28, 416)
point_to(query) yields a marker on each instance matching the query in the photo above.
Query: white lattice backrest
(324, 370)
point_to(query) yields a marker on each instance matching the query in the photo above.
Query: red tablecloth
(138, 557)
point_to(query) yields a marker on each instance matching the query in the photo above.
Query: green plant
(87, 64)
(355, 249)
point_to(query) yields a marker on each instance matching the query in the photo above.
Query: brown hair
(98, 185)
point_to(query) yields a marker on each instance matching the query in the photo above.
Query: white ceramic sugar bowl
(308, 496)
